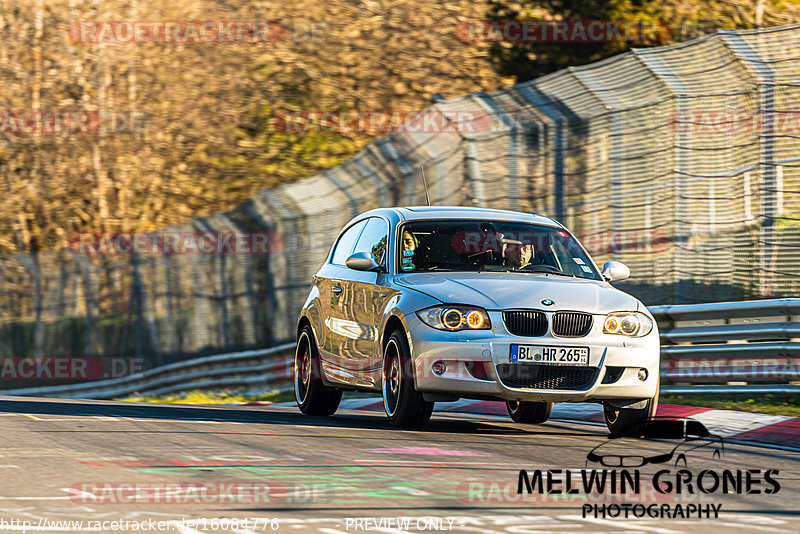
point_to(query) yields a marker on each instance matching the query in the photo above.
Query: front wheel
(312, 396)
(532, 413)
(630, 421)
(404, 405)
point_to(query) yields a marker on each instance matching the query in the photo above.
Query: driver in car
(517, 255)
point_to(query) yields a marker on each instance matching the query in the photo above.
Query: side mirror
(363, 261)
(614, 271)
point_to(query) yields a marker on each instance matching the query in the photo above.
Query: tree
(529, 59)
(675, 21)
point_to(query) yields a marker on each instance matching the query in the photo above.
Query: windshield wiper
(483, 269)
(560, 273)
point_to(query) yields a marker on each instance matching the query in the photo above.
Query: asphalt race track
(77, 461)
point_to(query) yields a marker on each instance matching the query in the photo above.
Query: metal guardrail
(254, 371)
(730, 342)
(727, 342)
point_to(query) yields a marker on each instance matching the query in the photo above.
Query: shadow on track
(262, 415)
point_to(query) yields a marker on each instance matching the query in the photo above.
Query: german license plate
(549, 355)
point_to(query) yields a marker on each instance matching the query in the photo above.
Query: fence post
(767, 166)
(83, 270)
(680, 211)
(31, 262)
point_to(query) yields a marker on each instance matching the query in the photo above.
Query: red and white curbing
(771, 430)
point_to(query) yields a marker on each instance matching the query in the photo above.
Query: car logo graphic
(676, 437)
(547, 302)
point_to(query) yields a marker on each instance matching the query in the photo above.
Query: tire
(630, 421)
(531, 413)
(312, 396)
(404, 405)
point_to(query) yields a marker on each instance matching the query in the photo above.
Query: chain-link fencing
(680, 161)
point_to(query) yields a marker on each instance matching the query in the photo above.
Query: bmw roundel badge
(547, 302)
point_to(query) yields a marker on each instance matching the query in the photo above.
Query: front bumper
(465, 350)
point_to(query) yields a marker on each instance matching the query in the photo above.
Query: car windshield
(475, 245)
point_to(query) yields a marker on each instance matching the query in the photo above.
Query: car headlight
(454, 318)
(631, 324)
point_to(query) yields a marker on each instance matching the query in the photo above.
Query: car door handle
(337, 290)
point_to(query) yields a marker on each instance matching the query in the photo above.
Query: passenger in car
(410, 242)
(408, 248)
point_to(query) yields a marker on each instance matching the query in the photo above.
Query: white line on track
(618, 524)
(34, 498)
(760, 528)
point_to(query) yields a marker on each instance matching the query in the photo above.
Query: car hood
(500, 291)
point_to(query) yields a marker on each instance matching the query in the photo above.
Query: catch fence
(680, 161)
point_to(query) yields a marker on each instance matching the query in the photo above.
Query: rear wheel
(532, 413)
(630, 421)
(404, 405)
(312, 396)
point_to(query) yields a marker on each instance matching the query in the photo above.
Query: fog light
(439, 368)
(643, 374)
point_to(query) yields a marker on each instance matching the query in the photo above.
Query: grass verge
(772, 404)
(214, 397)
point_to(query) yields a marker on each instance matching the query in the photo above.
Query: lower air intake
(537, 376)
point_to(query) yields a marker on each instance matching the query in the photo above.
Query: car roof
(411, 213)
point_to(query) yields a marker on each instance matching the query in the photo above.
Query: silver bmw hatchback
(434, 304)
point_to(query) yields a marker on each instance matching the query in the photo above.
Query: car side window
(374, 239)
(344, 247)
